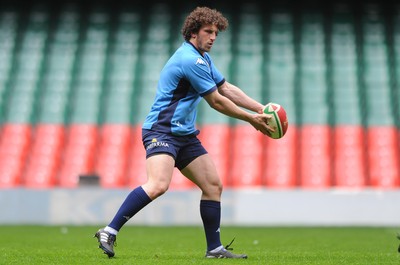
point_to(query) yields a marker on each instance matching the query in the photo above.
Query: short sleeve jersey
(185, 79)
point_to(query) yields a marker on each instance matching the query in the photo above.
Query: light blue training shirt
(185, 79)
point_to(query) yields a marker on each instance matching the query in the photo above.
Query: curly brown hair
(203, 16)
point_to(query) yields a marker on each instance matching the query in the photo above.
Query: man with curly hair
(170, 137)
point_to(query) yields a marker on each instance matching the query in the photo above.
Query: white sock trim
(215, 250)
(111, 230)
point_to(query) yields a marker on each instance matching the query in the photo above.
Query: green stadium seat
(86, 103)
(25, 77)
(118, 107)
(396, 63)
(58, 68)
(249, 47)
(280, 63)
(313, 83)
(8, 33)
(89, 75)
(122, 67)
(347, 113)
(376, 69)
(347, 100)
(315, 114)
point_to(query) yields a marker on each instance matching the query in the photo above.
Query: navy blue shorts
(184, 149)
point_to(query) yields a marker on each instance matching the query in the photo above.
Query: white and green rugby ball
(279, 120)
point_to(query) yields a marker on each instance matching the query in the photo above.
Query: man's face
(204, 40)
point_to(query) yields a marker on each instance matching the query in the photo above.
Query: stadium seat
(58, 69)
(8, 34)
(44, 157)
(349, 170)
(345, 97)
(313, 85)
(315, 156)
(383, 157)
(216, 139)
(280, 161)
(28, 62)
(247, 149)
(79, 154)
(122, 68)
(280, 67)
(112, 155)
(249, 48)
(89, 74)
(14, 146)
(154, 54)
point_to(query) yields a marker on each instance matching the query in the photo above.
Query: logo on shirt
(201, 61)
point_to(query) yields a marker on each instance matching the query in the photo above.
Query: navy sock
(133, 203)
(210, 212)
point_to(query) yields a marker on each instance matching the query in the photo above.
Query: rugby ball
(279, 121)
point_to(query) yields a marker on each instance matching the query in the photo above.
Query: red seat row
(310, 156)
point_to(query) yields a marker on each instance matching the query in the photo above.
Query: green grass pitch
(186, 245)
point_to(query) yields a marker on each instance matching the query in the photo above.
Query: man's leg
(203, 173)
(159, 169)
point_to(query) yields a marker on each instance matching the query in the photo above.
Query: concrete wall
(252, 207)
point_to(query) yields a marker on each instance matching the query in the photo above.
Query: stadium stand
(77, 79)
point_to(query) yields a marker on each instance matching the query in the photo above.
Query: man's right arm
(226, 106)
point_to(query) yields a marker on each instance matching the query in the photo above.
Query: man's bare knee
(155, 190)
(213, 191)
